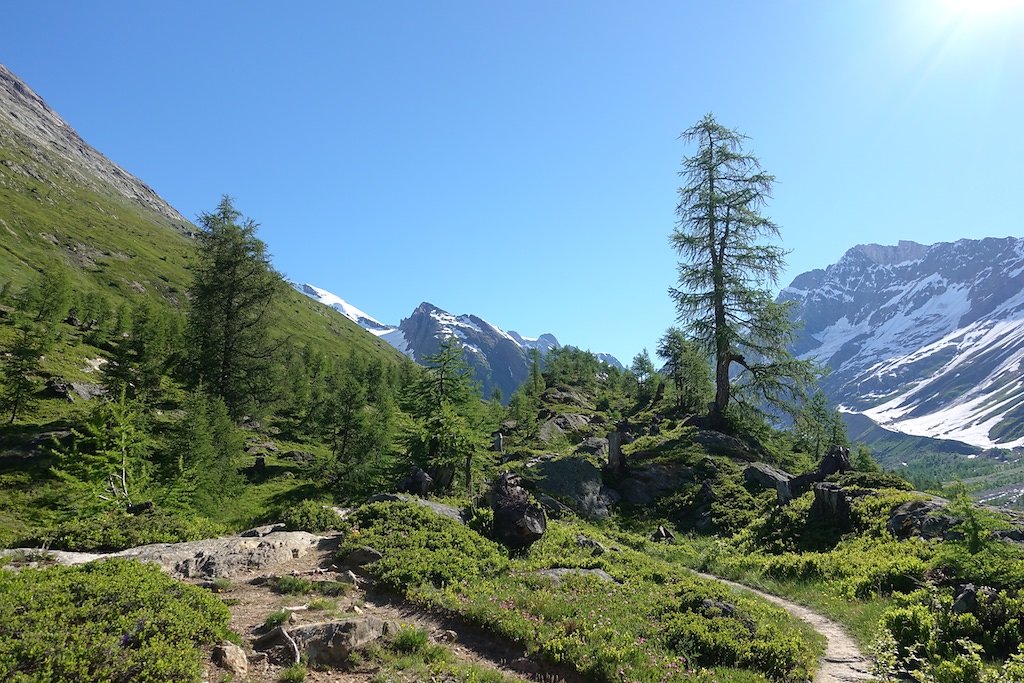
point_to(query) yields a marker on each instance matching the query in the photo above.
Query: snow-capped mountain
(499, 359)
(924, 340)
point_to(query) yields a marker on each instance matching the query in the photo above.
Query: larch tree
(726, 267)
(231, 308)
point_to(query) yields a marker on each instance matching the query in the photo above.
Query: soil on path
(842, 662)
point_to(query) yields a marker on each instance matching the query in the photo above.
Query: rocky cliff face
(924, 340)
(499, 359)
(44, 148)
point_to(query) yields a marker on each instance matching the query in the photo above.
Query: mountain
(64, 204)
(499, 359)
(923, 340)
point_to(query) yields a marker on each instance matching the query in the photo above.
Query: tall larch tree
(726, 268)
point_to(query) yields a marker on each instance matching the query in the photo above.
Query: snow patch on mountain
(924, 340)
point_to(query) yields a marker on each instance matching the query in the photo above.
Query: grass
(649, 621)
(276, 618)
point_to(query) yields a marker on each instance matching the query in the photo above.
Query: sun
(982, 7)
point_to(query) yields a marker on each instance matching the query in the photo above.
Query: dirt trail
(842, 662)
(251, 602)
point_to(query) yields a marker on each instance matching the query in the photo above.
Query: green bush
(409, 639)
(292, 585)
(296, 673)
(311, 516)
(420, 546)
(117, 530)
(116, 620)
(276, 618)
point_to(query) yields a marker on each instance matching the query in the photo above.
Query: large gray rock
(519, 522)
(557, 574)
(418, 483)
(769, 477)
(831, 505)
(563, 425)
(328, 643)
(231, 658)
(565, 396)
(920, 518)
(727, 445)
(594, 445)
(214, 557)
(649, 482)
(575, 480)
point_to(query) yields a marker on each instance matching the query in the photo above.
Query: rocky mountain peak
(50, 151)
(927, 341)
(887, 255)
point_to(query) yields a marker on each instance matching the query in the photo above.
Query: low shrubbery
(109, 621)
(651, 621)
(311, 516)
(422, 547)
(117, 530)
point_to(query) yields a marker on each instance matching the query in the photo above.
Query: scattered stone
(446, 636)
(518, 521)
(590, 544)
(360, 557)
(231, 658)
(418, 483)
(557, 574)
(594, 445)
(662, 535)
(328, 643)
(832, 505)
(298, 456)
(717, 608)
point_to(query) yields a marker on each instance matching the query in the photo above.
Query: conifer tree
(108, 459)
(725, 270)
(20, 368)
(643, 371)
(688, 368)
(231, 308)
(48, 297)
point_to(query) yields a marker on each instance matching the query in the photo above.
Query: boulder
(912, 519)
(418, 483)
(772, 478)
(213, 557)
(552, 506)
(726, 444)
(575, 480)
(836, 460)
(594, 445)
(558, 573)
(831, 505)
(616, 466)
(565, 396)
(519, 522)
(438, 508)
(968, 596)
(231, 658)
(563, 425)
(298, 456)
(328, 643)
(590, 544)
(647, 483)
(716, 609)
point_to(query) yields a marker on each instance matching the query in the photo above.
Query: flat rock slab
(215, 557)
(558, 573)
(438, 508)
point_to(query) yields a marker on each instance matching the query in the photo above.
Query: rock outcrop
(519, 522)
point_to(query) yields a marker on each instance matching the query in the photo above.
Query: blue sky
(518, 160)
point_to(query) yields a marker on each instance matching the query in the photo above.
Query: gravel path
(843, 661)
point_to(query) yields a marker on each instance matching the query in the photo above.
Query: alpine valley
(500, 360)
(209, 475)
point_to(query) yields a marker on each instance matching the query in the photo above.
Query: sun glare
(982, 7)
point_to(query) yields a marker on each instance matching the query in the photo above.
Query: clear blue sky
(518, 160)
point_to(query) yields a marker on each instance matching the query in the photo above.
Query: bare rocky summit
(50, 151)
